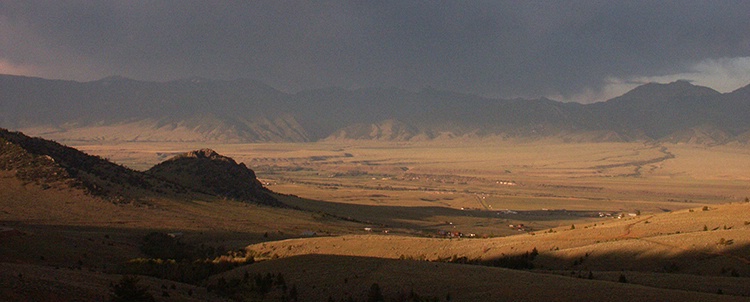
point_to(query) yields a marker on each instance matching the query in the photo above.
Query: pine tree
(375, 295)
(293, 292)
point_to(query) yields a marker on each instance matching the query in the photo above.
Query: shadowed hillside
(50, 164)
(208, 172)
(404, 280)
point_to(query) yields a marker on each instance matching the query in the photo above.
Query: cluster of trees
(191, 272)
(517, 261)
(163, 246)
(175, 260)
(274, 287)
(254, 288)
(375, 294)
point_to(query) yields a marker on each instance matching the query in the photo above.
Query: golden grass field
(534, 177)
(683, 235)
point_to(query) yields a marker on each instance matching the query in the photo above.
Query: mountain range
(196, 109)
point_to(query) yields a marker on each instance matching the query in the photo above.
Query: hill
(50, 164)
(201, 110)
(408, 280)
(72, 225)
(208, 172)
(694, 250)
(658, 110)
(199, 174)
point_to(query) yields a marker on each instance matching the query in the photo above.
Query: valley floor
(417, 219)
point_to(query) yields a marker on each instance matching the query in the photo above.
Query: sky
(582, 51)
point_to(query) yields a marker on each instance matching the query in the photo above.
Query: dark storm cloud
(506, 49)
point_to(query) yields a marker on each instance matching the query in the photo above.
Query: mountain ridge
(241, 111)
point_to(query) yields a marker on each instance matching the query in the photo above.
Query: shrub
(375, 295)
(520, 261)
(163, 246)
(128, 290)
(293, 292)
(193, 272)
(734, 273)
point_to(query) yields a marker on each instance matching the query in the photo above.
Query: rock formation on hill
(208, 172)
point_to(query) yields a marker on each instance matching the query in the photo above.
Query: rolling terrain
(410, 221)
(684, 250)
(66, 240)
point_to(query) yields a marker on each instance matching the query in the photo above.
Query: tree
(128, 290)
(623, 279)
(293, 292)
(375, 295)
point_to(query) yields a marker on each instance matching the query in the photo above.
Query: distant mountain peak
(661, 91)
(682, 82)
(114, 78)
(198, 80)
(742, 90)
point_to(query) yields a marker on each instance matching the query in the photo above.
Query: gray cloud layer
(494, 48)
